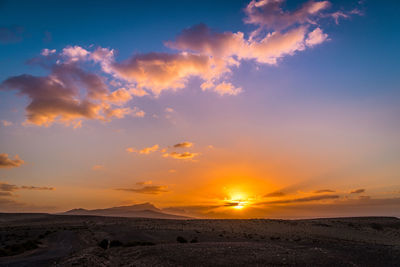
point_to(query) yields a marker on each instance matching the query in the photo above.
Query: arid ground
(61, 240)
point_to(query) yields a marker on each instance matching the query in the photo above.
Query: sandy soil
(108, 241)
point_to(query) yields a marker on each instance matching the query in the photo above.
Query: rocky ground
(59, 240)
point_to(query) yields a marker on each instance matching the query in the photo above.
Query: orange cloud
(130, 150)
(6, 162)
(119, 96)
(148, 150)
(223, 88)
(162, 71)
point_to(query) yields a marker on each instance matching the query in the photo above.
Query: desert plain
(77, 240)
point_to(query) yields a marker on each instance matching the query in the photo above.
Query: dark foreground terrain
(57, 240)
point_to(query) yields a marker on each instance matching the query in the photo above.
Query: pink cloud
(161, 71)
(225, 88)
(269, 14)
(316, 37)
(74, 53)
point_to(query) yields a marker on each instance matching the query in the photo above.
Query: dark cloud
(232, 204)
(148, 189)
(8, 187)
(5, 187)
(200, 38)
(324, 191)
(275, 194)
(40, 188)
(270, 15)
(357, 191)
(51, 97)
(6, 162)
(11, 34)
(183, 145)
(300, 200)
(184, 155)
(57, 97)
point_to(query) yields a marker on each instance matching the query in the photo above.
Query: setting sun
(240, 205)
(237, 201)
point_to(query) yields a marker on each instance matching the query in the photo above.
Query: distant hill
(145, 210)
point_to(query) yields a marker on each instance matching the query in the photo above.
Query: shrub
(181, 239)
(103, 244)
(19, 248)
(377, 226)
(115, 243)
(139, 243)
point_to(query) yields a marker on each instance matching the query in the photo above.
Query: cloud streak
(357, 191)
(147, 189)
(300, 200)
(6, 187)
(324, 191)
(275, 194)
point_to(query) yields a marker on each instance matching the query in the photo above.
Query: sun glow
(240, 205)
(238, 201)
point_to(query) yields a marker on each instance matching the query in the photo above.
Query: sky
(211, 109)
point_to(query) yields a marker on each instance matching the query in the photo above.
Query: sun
(240, 205)
(238, 201)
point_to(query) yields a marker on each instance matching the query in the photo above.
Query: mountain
(144, 210)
